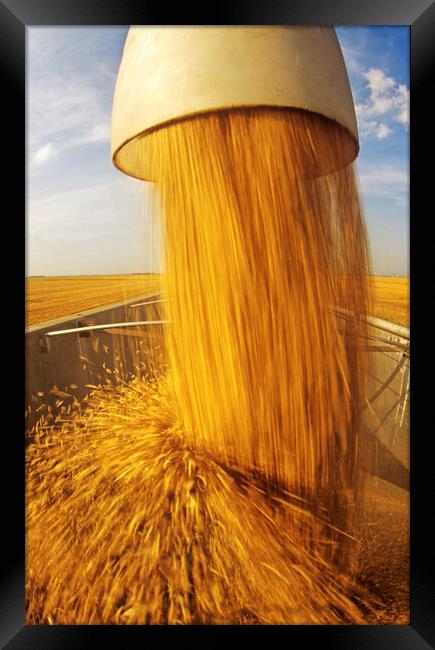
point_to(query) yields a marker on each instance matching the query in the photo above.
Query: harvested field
(53, 297)
(391, 299)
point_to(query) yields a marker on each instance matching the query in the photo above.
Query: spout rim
(222, 109)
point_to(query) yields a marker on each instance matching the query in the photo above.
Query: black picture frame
(15, 16)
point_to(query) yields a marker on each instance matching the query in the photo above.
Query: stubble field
(48, 298)
(391, 299)
(52, 297)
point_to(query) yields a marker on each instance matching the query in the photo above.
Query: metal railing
(148, 302)
(105, 326)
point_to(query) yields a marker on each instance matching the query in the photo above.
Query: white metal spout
(168, 73)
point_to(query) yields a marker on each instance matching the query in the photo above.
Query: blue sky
(85, 217)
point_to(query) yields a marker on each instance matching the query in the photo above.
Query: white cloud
(385, 181)
(403, 112)
(45, 153)
(383, 131)
(69, 91)
(379, 83)
(69, 114)
(387, 103)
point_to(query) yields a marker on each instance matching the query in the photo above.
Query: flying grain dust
(225, 491)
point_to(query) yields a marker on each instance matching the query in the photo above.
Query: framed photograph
(222, 317)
